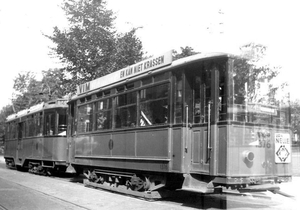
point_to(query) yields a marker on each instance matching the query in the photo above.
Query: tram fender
(194, 182)
(70, 169)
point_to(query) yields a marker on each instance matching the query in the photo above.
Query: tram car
(200, 123)
(36, 138)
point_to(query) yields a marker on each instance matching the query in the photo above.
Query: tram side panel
(10, 152)
(146, 150)
(55, 148)
(251, 152)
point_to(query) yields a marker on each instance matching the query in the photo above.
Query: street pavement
(38, 192)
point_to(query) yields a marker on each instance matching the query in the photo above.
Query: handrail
(208, 132)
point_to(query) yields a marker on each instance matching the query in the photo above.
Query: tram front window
(256, 97)
(50, 123)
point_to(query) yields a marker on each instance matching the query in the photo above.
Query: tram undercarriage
(46, 168)
(150, 186)
(161, 185)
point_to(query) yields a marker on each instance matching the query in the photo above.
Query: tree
(185, 52)
(128, 50)
(4, 113)
(27, 90)
(256, 76)
(55, 84)
(90, 47)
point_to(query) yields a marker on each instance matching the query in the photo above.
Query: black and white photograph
(149, 104)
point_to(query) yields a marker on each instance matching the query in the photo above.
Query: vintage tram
(36, 138)
(197, 123)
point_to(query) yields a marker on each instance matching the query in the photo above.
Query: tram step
(258, 188)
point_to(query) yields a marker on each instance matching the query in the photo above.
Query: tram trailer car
(36, 138)
(197, 123)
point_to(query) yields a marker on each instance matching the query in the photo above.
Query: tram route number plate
(282, 148)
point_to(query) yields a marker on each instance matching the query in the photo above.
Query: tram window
(88, 98)
(255, 99)
(222, 106)
(161, 77)
(85, 118)
(38, 123)
(178, 98)
(99, 94)
(82, 100)
(62, 122)
(129, 86)
(31, 126)
(147, 81)
(207, 87)
(13, 130)
(154, 105)
(21, 130)
(50, 123)
(120, 88)
(8, 130)
(106, 93)
(104, 114)
(126, 110)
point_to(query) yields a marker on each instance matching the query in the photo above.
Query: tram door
(201, 94)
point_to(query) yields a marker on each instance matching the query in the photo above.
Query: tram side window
(194, 80)
(30, 126)
(222, 106)
(207, 88)
(85, 118)
(50, 124)
(126, 110)
(104, 114)
(8, 130)
(62, 122)
(38, 123)
(13, 130)
(178, 98)
(154, 105)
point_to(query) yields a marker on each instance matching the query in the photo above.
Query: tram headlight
(248, 156)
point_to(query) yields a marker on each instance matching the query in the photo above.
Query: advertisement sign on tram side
(125, 73)
(282, 148)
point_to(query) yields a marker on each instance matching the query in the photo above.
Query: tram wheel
(136, 183)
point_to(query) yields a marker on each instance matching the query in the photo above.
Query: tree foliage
(185, 52)
(26, 91)
(29, 91)
(6, 111)
(55, 84)
(253, 72)
(90, 46)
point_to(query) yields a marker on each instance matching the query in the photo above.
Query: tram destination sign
(282, 148)
(128, 72)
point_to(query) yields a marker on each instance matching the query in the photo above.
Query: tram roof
(37, 108)
(159, 63)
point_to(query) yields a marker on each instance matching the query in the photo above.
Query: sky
(206, 26)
